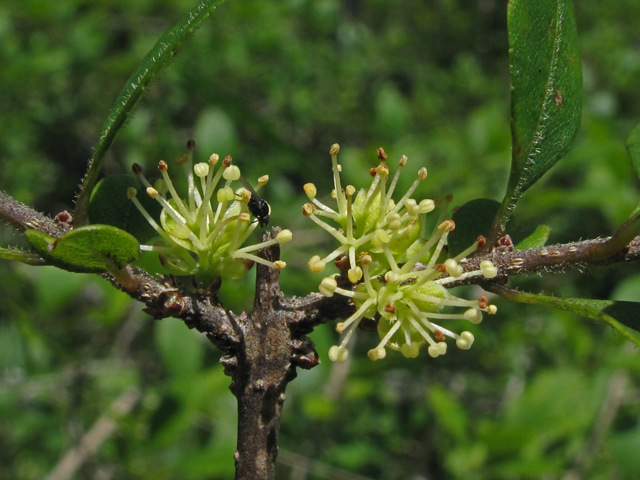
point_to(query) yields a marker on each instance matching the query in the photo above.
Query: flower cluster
(395, 272)
(204, 233)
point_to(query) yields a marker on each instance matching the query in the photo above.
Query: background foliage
(542, 394)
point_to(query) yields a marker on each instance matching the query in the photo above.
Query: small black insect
(258, 207)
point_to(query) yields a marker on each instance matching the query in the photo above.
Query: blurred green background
(542, 394)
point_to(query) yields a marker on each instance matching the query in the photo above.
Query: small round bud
(488, 269)
(284, 236)
(225, 194)
(355, 274)
(453, 268)
(492, 309)
(335, 148)
(131, 192)
(311, 190)
(152, 192)
(465, 340)
(377, 353)
(350, 190)
(213, 159)
(427, 206)
(328, 286)
(412, 207)
(279, 264)
(433, 350)
(316, 265)
(391, 277)
(231, 173)
(393, 221)
(338, 354)
(201, 169)
(474, 315)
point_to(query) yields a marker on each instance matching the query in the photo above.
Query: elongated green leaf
(92, 249)
(158, 57)
(624, 317)
(546, 92)
(17, 255)
(633, 147)
(537, 239)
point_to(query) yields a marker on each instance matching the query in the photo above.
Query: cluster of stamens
(204, 233)
(395, 272)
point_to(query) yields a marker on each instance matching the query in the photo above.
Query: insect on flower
(258, 207)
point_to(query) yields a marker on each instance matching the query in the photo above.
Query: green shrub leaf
(92, 249)
(537, 239)
(546, 92)
(624, 317)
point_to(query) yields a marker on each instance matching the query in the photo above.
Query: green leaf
(537, 239)
(472, 220)
(158, 57)
(111, 206)
(92, 249)
(624, 317)
(17, 255)
(633, 147)
(546, 92)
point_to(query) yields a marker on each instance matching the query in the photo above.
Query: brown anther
(162, 166)
(388, 307)
(136, 169)
(227, 161)
(447, 226)
(481, 241)
(483, 302)
(440, 267)
(439, 336)
(372, 172)
(308, 209)
(381, 155)
(191, 145)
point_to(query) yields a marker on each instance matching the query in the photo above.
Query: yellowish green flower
(395, 271)
(204, 232)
